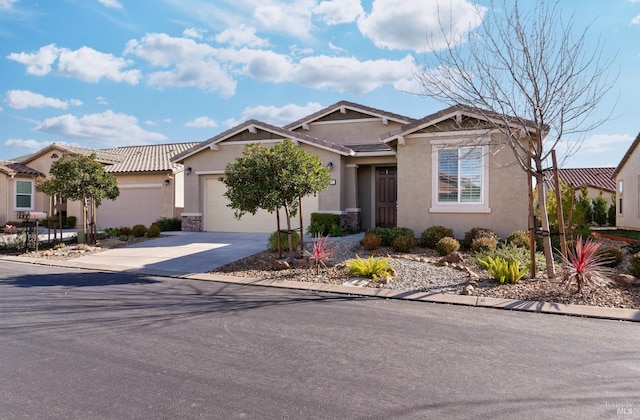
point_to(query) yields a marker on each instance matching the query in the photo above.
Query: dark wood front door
(386, 195)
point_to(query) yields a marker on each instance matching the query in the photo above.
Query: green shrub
(169, 224)
(505, 271)
(335, 231)
(371, 267)
(284, 241)
(322, 224)
(123, 238)
(430, 237)
(519, 238)
(634, 265)
(112, 232)
(70, 222)
(403, 243)
(14, 242)
(476, 233)
(138, 231)
(447, 245)
(388, 235)
(484, 243)
(510, 251)
(124, 230)
(153, 231)
(610, 256)
(371, 242)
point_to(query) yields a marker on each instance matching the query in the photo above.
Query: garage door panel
(133, 206)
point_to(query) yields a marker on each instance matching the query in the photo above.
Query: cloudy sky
(106, 73)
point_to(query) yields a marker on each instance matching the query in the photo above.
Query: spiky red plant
(321, 252)
(584, 266)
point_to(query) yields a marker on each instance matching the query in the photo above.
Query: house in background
(387, 170)
(594, 179)
(17, 190)
(627, 176)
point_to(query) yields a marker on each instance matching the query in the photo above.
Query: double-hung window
(24, 195)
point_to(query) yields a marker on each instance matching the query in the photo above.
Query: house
(387, 170)
(150, 184)
(627, 176)
(594, 179)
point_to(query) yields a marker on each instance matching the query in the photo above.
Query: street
(78, 344)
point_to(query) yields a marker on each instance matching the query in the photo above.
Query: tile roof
(148, 158)
(599, 178)
(14, 168)
(102, 156)
(627, 155)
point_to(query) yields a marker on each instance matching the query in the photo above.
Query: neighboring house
(594, 179)
(627, 176)
(150, 184)
(387, 170)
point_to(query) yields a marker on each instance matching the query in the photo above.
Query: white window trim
(437, 207)
(15, 195)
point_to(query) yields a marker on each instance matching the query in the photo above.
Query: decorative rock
(454, 258)
(280, 265)
(472, 274)
(626, 279)
(468, 290)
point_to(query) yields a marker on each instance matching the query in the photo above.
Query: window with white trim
(24, 195)
(620, 197)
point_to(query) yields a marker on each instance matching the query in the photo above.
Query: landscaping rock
(278, 265)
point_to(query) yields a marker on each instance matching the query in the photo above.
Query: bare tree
(528, 73)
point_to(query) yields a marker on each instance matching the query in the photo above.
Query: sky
(109, 73)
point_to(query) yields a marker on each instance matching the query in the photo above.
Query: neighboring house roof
(598, 178)
(102, 156)
(148, 158)
(252, 125)
(14, 168)
(342, 106)
(626, 156)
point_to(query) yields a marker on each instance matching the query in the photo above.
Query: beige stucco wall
(350, 131)
(508, 196)
(630, 177)
(5, 209)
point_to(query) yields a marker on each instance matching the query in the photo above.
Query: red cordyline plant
(321, 252)
(584, 265)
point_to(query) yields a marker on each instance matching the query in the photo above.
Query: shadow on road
(77, 280)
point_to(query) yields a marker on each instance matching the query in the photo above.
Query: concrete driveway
(179, 253)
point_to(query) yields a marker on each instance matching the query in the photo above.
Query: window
(460, 175)
(620, 197)
(24, 195)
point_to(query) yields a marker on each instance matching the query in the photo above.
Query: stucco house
(627, 176)
(387, 170)
(150, 184)
(594, 179)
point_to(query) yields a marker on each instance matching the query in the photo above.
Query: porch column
(351, 217)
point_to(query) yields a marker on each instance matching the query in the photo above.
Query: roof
(148, 158)
(598, 178)
(14, 168)
(254, 124)
(102, 156)
(626, 156)
(351, 105)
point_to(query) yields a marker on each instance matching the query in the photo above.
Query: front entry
(386, 196)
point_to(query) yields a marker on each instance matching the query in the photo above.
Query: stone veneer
(192, 223)
(350, 220)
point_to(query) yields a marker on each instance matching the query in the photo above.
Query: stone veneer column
(191, 222)
(350, 219)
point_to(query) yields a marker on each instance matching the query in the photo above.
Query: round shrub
(138, 231)
(519, 238)
(403, 243)
(284, 240)
(124, 230)
(123, 238)
(634, 265)
(371, 242)
(447, 245)
(433, 234)
(484, 243)
(611, 256)
(476, 233)
(153, 231)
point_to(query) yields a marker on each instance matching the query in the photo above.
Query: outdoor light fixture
(188, 170)
(330, 165)
(167, 182)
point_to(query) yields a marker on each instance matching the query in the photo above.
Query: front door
(386, 195)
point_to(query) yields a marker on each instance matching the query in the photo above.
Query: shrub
(153, 231)
(430, 237)
(447, 245)
(371, 242)
(583, 265)
(476, 233)
(322, 224)
(14, 243)
(611, 256)
(504, 270)
(124, 230)
(371, 267)
(519, 238)
(510, 251)
(335, 231)
(321, 252)
(599, 207)
(403, 243)
(123, 238)
(138, 231)
(388, 235)
(70, 222)
(169, 224)
(484, 243)
(634, 264)
(284, 240)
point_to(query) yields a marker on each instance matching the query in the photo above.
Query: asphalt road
(88, 345)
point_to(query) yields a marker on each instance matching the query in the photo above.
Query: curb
(585, 311)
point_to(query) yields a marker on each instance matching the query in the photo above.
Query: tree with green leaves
(599, 207)
(80, 178)
(273, 178)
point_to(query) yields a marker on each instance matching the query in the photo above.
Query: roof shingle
(599, 178)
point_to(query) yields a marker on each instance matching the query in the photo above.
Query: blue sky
(107, 73)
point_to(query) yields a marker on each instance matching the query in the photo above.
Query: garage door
(133, 206)
(220, 218)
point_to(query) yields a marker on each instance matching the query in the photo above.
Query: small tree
(80, 178)
(583, 213)
(599, 207)
(611, 213)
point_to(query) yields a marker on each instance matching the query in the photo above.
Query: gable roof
(344, 105)
(15, 168)
(102, 156)
(148, 158)
(254, 125)
(598, 178)
(626, 156)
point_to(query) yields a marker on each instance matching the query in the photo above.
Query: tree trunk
(289, 238)
(544, 221)
(84, 219)
(301, 230)
(278, 233)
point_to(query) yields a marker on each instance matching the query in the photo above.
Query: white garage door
(133, 206)
(220, 218)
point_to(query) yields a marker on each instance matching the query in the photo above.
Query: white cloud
(113, 4)
(27, 144)
(193, 33)
(102, 100)
(279, 115)
(293, 18)
(406, 25)
(260, 64)
(89, 65)
(636, 20)
(38, 63)
(22, 99)
(333, 12)
(201, 122)
(7, 4)
(107, 129)
(241, 36)
(605, 143)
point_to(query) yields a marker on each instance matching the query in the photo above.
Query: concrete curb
(477, 301)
